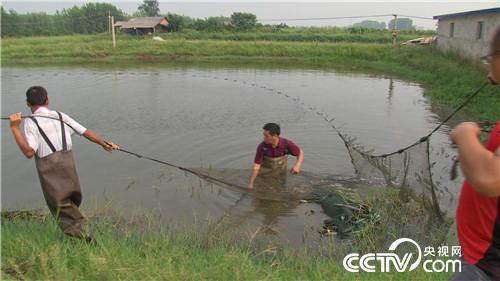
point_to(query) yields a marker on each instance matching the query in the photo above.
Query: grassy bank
(303, 34)
(276, 33)
(138, 248)
(447, 78)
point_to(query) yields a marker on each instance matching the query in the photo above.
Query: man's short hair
(36, 95)
(273, 129)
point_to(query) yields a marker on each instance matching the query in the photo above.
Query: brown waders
(60, 184)
(273, 172)
(275, 165)
(272, 178)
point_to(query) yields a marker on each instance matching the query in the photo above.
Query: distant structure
(467, 33)
(143, 25)
(370, 24)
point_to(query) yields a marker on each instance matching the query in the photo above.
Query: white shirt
(52, 129)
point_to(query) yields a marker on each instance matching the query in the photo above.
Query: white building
(468, 33)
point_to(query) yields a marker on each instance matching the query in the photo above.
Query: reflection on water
(212, 118)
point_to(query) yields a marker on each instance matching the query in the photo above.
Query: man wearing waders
(49, 141)
(478, 211)
(271, 155)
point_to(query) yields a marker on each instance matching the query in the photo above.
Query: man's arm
(15, 122)
(90, 135)
(255, 173)
(93, 137)
(298, 164)
(480, 166)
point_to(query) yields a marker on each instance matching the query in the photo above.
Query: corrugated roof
(143, 22)
(468, 14)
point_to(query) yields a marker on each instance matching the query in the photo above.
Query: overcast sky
(266, 10)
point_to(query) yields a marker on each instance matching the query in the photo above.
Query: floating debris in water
(130, 184)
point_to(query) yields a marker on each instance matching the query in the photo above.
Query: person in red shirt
(478, 212)
(272, 153)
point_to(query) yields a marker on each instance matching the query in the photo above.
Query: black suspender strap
(44, 136)
(63, 132)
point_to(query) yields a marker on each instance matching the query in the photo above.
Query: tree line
(92, 18)
(87, 19)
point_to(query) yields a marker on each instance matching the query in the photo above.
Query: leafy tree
(212, 24)
(89, 18)
(178, 22)
(243, 21)
(149, 8)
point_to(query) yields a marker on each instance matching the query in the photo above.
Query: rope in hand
(454, 167)
(138, 155)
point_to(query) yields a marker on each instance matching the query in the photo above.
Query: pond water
(212, 118)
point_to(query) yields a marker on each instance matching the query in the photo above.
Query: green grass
(447, 78)
(273, 33)
(303, 34)
(138, 248)
(130, 250)
(400, 218)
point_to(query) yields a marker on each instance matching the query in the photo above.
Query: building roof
(142, 22)
(468, 14)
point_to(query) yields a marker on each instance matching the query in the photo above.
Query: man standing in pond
(272, 153)
(49, 140)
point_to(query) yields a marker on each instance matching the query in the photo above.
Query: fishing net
(408, 169)
(340, 197)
